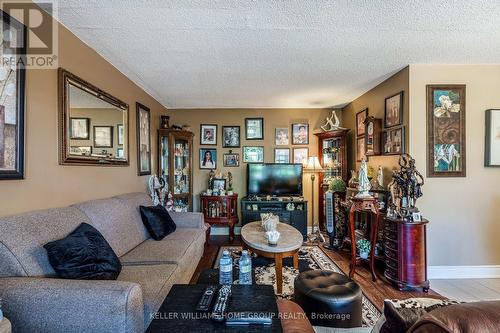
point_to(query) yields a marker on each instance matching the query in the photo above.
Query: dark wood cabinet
(220, 210)
(332, 154)
(405, 253)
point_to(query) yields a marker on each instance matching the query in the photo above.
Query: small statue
(157, 190)
(332, 123)
(364, 183)
(379, 185)
(211, 177)
(169, 206)
(229, 181)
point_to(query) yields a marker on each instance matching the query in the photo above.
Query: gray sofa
(35, 300)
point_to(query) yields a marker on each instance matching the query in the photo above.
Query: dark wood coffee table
(182, 299)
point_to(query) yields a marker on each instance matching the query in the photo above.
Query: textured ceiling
(317, 53)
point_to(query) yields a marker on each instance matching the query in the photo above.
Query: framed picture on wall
(281, 155)
(282, 136)
(300, 134)
(360, 148)
(143, 120)
(208, 158)
(231, 160)
(393, 141)
(119, 129)
(230, 136)
(446, 131)
(393, 114)
(12, 107)
(300, 155)
(80, 128)
(372, 136)
(492, 144)
(253, 154)
(103, 136)
(208, 134)
(360, 122)
(254, 128)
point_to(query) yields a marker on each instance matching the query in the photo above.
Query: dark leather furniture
(329, 299)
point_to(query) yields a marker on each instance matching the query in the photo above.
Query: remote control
(249, 318)
(206, 299)
(220, 306)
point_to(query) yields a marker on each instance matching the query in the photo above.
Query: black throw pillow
(83, 254)
(157, 221)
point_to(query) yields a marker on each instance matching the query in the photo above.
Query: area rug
(310, 257)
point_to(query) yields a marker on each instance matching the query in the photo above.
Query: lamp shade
(312, 164)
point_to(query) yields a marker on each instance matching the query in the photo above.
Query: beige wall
(228, 117)
(464, 213)
(374, 100)
(47, 183)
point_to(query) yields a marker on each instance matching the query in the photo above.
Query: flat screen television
(274, 179)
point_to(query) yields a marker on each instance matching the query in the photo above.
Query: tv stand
(252, 207)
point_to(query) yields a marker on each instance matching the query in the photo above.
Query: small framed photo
(208, 158)
(219, 185)
(119, 129)
(231, 160)
(416, 217)
(230, 136)
(253, 154)
(300, 155)
(254, 128)
(360, 148)
(80, 128)
(208, 134)
(300, 134)
(80, 150)
(360, 122)
(119, 153)
(393, 110)
(393, 141)
(282, 136)
(492, 144)
(281, 155)
(103, 136)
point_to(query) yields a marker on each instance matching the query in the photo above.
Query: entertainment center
(277, 189)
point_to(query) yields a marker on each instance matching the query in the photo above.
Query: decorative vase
(272, 237)
(269, 221)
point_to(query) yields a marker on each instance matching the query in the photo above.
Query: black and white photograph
(208, 158)
(231, 160)
(254, 128)
(230, 136)
(80, 128)
(208, 134)
(103, 136)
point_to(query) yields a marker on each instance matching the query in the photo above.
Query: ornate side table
(368, 205)
(221, 210)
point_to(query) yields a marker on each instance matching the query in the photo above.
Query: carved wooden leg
(374, 232)
(296, 260)
(231, 232)
(278, 260)
(352, 226)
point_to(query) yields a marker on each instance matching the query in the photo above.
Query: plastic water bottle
(226, 268)
(245, 268)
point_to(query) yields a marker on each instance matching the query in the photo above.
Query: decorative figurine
(165, 120)
(211, 177)
(405, 188)
(157, 190)
(332, 123)
(170, 202)
(378, 182)
(364, 183)
(229, 181)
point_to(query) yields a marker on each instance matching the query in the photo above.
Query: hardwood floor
(375, 291)
(468, 290)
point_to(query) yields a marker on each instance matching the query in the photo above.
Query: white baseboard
(464, 272)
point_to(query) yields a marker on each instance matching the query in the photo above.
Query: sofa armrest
(188, 220)
(63, 305)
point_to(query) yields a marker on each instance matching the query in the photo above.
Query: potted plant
(336, 184)
(364, 248)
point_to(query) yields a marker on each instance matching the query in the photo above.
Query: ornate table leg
(296, 260)
(374, 219)
(278, 261)
(352, 226)
(231, 231)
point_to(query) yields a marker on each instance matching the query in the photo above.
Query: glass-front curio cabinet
(175, 166)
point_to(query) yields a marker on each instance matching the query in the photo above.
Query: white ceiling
(279, 53)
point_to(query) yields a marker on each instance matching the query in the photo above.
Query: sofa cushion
(83, 254)
(132, 201)
(171, 249)
(157, 221)
(22, 238)
(155, 281)
(115, 221)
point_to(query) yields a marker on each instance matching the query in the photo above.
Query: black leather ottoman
(329, 299)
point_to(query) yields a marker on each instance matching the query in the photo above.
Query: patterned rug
(310, 257)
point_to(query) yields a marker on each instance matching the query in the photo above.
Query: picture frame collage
(296, 135)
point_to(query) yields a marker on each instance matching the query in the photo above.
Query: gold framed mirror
(93, 125)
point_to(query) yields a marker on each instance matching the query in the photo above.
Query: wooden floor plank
(375, 291)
